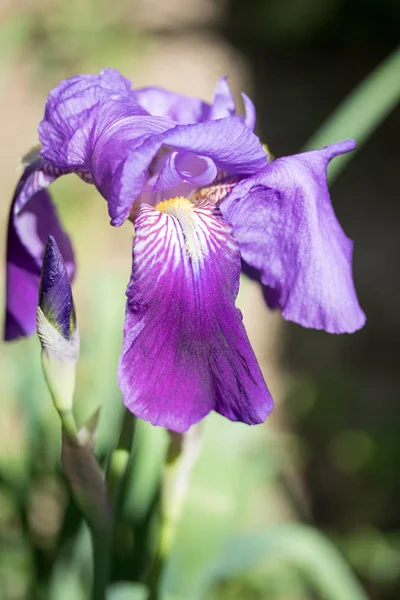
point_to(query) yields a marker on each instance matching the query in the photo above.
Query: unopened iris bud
(57, 328)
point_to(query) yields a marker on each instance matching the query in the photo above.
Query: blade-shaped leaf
(361, 113)
(300, 547)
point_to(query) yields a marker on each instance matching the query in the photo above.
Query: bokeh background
(329, 456)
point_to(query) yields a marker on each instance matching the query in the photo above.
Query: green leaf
(86, 480)
(301, 547)
(361, 113)
(66, 579)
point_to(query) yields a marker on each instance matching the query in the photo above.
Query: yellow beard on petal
(183, 210)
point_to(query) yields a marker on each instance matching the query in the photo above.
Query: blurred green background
(328, 459)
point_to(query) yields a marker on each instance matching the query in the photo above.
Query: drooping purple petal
(227, 142)
(32, 219)
(288, 231)
(185, 349)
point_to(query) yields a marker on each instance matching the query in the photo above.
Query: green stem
(182, 453)
(69, 424)
(102, 539)
(86, 479)
(166, 540)
(120, 459)
(101, 544)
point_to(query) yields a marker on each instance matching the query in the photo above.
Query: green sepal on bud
(85, 476)
(57, 328)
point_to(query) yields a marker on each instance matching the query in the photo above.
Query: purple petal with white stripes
(185, 349)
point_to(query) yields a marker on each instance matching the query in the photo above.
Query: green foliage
(362, 112)
(297, 546)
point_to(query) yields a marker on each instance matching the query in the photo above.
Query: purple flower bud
(57, 329)
(55, 295)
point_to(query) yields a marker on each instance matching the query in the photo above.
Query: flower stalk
(59, 338)
(58, 334)
(86, 480)
(183, 451)
(120, 459)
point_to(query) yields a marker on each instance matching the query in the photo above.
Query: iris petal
(33, 218)
(178, 107)
(95, 124)
(223, 104)
(78, 110)
(185, 349)
(288, 232)
(115, 143)
(188, 110)
(249, 111)
(185, 166)
(230, 144)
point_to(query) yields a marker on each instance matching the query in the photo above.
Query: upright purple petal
(288, 231)
(227, 142)
(91, 124)
(185, 349)
(178, 107)
(223, 104)
(32, 219)
(96, 126)
(249, 112)
(187, 110)
(115, 144)
(77, 113)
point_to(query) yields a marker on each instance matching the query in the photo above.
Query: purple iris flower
(196, 182)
